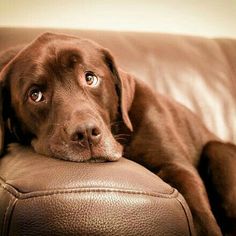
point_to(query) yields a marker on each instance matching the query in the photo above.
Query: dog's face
(62, 94)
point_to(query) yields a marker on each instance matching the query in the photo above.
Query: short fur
(120, 116)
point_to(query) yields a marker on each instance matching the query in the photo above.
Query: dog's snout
(86, 133)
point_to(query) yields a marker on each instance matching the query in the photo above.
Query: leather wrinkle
(185, 212)
(6, 223)
(42, 193)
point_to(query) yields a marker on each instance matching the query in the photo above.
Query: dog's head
(61, 94)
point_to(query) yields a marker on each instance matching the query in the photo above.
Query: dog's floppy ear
(2, 128)
(7, 57)
(127, 96)
(2, 131)
(4, 108)
(125, 86)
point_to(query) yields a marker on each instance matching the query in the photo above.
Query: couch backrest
(198, 72)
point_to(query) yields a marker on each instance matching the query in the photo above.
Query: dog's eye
(36, 95)
(91, 79)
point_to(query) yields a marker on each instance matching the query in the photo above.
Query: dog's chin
(85, 157)
(106, 151)
(68, 153)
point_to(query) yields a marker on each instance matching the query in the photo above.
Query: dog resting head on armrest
(61, 94)
(66, 98)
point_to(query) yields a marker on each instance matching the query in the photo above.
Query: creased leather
(44, 196)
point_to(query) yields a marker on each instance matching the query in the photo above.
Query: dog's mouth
(61, 147)
(97, 160)
(108, 151)
(85, 157)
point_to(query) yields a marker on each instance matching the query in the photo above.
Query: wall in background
(193, 17)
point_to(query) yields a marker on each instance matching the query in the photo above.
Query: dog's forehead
(59, 46)
(49, 56)
(57, 50)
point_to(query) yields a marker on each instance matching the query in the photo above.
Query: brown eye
(91, 79)
(36, 95)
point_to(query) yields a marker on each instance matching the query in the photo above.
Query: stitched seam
(185, 212)
(5, 213)
(2, 179)
(19, 195)
(4, 221)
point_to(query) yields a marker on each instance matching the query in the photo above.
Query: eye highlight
(36, 95)
(91, 79)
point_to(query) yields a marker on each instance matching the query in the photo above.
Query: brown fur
(78, 122)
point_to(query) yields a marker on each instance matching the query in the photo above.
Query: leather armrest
(45, 196)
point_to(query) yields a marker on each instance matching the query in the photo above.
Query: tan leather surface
(198, 72)
(45, 196)
(21, 166)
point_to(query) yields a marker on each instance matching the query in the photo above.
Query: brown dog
(65, 97)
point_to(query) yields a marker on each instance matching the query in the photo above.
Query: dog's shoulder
(160, 110)
(147, 96)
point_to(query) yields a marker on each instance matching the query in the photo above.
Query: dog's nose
(87, 133)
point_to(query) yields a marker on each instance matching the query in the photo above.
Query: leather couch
(44, 196)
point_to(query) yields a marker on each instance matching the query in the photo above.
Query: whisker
(117, 138)
(123, 138)
(81, 144)
(115, 123)
(122, 135)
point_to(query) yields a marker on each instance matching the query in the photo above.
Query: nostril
(95, 132)
(86, 133)
(94, 135)
(80, 136)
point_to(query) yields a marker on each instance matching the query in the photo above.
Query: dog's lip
(96, 160)
(101, 159)
(61, 149)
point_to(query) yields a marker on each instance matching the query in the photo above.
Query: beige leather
(45, 196)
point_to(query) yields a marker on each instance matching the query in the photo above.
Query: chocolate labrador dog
(66, 98)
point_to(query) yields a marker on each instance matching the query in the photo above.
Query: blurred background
(211, 18)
